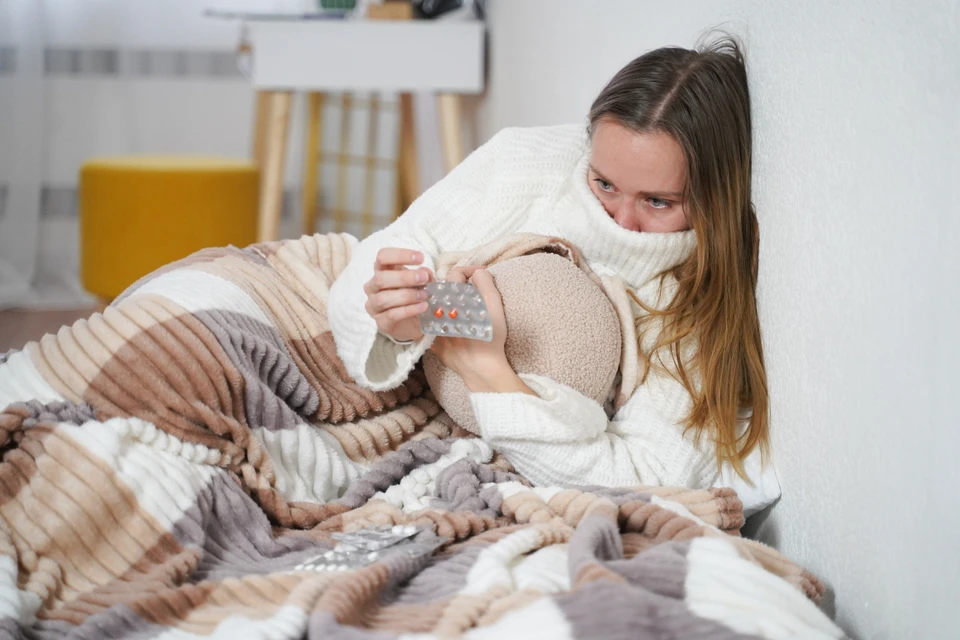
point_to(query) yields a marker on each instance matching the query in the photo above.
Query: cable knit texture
(534, 180)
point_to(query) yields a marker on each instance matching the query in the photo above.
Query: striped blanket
(187, 462)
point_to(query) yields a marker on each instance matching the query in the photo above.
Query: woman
(656, 189)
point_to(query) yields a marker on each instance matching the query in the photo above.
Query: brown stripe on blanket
(304, 329)
(148, 358)
(76, 527)
(311, 264)
(719, 507)
(369, 439)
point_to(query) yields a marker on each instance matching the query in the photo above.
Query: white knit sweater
(534, 180)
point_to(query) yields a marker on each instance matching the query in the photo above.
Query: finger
(398, 314)
(456, 275)
(384, 300)
(400, 279)
(470, 270)
(462, 274)
(391, 258)
(483, 281)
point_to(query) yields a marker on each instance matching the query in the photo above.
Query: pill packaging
(456, 309)
(363, 547)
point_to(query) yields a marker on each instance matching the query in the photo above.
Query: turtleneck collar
(635, 256)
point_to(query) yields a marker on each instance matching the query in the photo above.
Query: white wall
(856, 134)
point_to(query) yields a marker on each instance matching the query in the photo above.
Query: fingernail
(422, 306)
(421, 295)
(421, 276)
(416, 256)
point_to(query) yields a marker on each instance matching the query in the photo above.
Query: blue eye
(658, 203)
(604, 185)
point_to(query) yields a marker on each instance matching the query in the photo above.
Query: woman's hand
(395, 294)
(483, 366)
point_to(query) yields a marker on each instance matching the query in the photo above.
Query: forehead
(638, 162)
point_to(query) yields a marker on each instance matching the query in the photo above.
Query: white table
(445, 58)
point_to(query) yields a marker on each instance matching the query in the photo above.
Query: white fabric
(741, 595)
(309, 464)
(534, 180)
(148, 461)
(196, 290)
(20, 381)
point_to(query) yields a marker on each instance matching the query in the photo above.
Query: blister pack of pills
(456, 309)
(363, 547)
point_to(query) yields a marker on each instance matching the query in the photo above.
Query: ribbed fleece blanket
(169, 465)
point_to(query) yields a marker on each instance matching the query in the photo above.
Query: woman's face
(639, 178)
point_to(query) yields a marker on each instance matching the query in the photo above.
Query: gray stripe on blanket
(607, 610)
(389, 470)
(651, 604)
(35, 412)
(119, 621)
(236, 537)
(440, 581)
(459, 488)
(276, 393)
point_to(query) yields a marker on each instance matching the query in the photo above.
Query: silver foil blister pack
(358, 549)
(456, 309)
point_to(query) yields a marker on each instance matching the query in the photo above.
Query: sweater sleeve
(444, 218)
(563, 437)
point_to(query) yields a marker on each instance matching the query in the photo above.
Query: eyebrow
(675, 195)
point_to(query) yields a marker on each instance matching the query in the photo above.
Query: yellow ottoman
(140, 213)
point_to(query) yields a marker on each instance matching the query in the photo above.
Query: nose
(622, 214)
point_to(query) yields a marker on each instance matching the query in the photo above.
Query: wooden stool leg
(451, 129)
(408, 180)
(271, 181)
(261, 118)
(370, 174)
(312, 161)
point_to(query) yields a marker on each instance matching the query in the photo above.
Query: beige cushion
(560, 325)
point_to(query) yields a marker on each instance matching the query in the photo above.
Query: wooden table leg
(312, 161)
(451, 129)
(274, 155)
(408, 179)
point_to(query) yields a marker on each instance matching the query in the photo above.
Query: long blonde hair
(701, 98)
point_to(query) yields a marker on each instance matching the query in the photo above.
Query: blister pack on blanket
(357, 549)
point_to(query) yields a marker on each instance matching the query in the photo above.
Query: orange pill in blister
(453, 314)
(438, 312)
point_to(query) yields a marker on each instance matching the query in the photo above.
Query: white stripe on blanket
(166, 484)
(15, 603)
(20, 381)
(288, 622)
(196, 290)
(741, 595)
(309, 464)
(539, 619)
